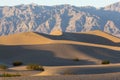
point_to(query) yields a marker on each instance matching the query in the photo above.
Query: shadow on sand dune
(93, 70)
(99, 53)
(80, 37)
(44, 55)
(9, 54)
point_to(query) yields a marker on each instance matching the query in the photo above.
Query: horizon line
(55, 5)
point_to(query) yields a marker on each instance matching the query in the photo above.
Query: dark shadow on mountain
(104, 15)
(65, 20)
(1, 13)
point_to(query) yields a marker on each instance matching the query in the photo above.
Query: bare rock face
(60, 18)
(113, 7)
(111, 28)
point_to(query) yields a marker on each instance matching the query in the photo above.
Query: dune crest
(72, 70)
(28, 38)
(56, 32)
(103, 34)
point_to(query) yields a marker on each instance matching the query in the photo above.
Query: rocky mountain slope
(64, 18)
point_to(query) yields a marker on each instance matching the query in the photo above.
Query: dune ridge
(103, 34)
(57, 52)
(28, 38)
(32, 38)
(88, 44)
(72, 70)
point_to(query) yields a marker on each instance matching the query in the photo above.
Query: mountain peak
(67, 18)
(113, 7)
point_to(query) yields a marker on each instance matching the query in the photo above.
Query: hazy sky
(96, 3)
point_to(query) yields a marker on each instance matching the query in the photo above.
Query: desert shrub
(17, 63)
(3, 67)
(105, 62)
(76, 59)
(35, 67)
(10, 75)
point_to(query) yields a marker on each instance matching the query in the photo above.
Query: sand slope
(103, 34)
(31, 38)
(87, 69)
(60, 50)
(94, 37)
(28, 38)
(57, 54)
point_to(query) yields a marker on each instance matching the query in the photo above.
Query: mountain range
(63, 18)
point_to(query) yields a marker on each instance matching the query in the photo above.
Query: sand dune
(73, 70)
(56, 32)
(18, 68)
(88, 44)
(50, 54)
(28, 38)
(94, 37)
(57, 54)
(31, 38)
(58, 51)
(103, 34)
